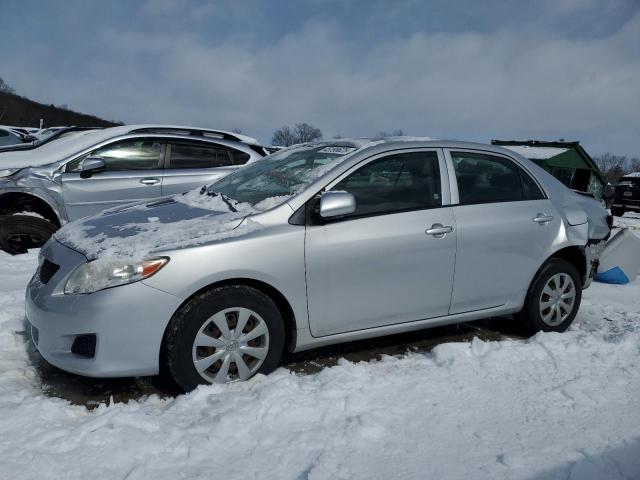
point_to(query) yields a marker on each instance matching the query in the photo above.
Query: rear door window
(199, 155)
(484, 178)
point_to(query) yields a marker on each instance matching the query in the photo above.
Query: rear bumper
(627, 204)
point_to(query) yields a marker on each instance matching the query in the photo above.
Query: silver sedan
(317, 244)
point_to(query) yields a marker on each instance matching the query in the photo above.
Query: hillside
(20, 111)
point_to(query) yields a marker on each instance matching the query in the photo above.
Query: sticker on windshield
(338, 150)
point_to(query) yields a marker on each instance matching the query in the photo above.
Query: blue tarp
(614, 275)
(620, 259)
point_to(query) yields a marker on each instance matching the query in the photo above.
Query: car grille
(47, 270)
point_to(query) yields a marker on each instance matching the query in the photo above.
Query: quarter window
(486, 178)
(401, 182)
(193, 155)
(125, 155)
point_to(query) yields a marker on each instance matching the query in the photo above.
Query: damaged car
(316, 244)
(85, 171)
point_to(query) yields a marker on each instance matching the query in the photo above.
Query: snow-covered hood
(140, 230)
(23, 159)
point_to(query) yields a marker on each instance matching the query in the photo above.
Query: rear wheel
(617, 211)
(223, 335)
(554, 297)
(19, 233)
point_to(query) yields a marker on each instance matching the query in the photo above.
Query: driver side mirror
(90, 166)
(336, 204)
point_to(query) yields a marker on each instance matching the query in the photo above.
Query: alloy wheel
(21, 242)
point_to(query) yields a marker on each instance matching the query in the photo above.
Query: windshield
(280, 175)
(46, 133)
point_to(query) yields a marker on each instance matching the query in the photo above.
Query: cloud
(163, 7)
(505, 82)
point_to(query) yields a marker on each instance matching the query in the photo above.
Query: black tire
(531, 313)
(192, 316)
(617, 211)
(19, 233)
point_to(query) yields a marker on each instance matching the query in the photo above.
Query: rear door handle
(542, 218)
(438, 230)
(150, 181)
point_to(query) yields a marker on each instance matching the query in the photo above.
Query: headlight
(93, 276)
(7, 172)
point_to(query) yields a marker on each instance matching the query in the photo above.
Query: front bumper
(128, 322)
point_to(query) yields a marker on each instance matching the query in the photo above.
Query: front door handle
(542, 218)
(438, 230)
(150, 181)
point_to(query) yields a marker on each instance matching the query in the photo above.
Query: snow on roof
(536, 153)
(632, 175)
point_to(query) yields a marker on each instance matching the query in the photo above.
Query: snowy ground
(563, 406)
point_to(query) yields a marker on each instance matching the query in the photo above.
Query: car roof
(388, 143)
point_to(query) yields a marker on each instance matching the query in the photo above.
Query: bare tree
(612, 166)
(237, 130)
(395, 133)
(306, 132)
(4, 87)
(634, 164)
(285, 136)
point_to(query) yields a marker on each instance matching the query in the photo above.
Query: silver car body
(335, 282)
(42, 173)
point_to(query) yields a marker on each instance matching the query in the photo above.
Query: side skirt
(305, 341)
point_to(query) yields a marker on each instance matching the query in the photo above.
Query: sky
(451, 69)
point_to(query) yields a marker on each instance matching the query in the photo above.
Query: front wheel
(19, 233)
(226, 334)
(554, 297)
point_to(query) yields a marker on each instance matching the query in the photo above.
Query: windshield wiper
(225, 199)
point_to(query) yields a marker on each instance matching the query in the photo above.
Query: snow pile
(555, 406)
(630, 220)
